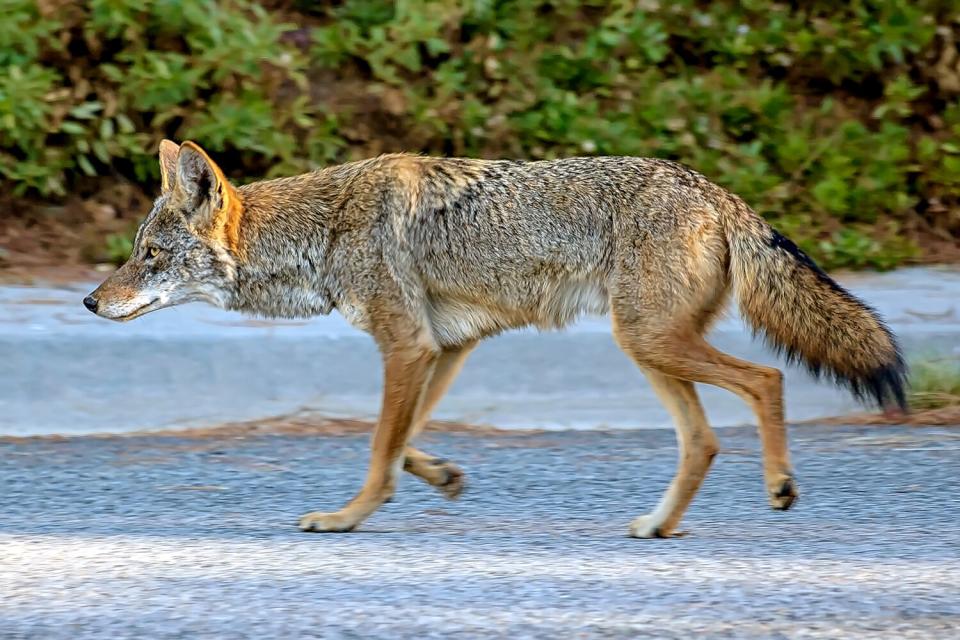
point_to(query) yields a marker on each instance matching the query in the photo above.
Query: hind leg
(760, 387)
(697, 447)
(447, 477)
(686, 355)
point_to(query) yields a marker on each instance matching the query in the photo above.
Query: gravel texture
(170, 537)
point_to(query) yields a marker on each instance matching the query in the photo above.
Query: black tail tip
(884, 385)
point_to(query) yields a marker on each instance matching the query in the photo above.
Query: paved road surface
(152, 537)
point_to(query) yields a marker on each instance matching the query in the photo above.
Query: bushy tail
(806, 315)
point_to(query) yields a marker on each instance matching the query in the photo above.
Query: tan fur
(431, 255)
(169, 151)
(442, 474)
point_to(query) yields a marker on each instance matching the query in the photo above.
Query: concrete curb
(65, 371)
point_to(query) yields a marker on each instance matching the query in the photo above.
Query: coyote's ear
(168, 164)
(206, 190)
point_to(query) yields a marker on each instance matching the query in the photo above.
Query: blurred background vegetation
(838, 121)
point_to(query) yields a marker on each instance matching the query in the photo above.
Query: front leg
(447, 477)
(407, 370)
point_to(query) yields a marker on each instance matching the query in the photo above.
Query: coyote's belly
(458, 319)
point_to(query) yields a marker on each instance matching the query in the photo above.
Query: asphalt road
(154, 537)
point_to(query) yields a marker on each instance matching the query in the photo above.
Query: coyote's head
(185, 247)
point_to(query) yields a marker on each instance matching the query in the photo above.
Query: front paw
(338, 522)
(439, 473)
(447, 477)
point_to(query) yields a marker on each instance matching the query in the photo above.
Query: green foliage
(118, 247)
(934, 383)
(832, 120)
(851, 247)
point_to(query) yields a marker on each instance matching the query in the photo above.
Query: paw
(782, 491)
(448, 479)
(338, 522)
(650, 527)
(442, 474)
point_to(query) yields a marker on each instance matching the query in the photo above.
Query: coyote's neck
(282, 264)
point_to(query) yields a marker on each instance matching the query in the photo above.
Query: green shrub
(118, 247)
(836, 121)
(934, 383)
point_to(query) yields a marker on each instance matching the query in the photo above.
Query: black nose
(90, 303)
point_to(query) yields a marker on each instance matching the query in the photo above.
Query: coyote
(431, 255)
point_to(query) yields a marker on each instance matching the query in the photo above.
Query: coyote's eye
(153, 252)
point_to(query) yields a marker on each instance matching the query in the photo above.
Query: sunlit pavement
(177, 538)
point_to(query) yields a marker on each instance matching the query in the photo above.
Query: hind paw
(782, 492)
(650, 526)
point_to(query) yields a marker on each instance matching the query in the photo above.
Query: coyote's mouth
(136, 313)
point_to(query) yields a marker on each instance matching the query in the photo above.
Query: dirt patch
(943, 417)
(64, 241)
(308, 425)
(25, 273)
(294, 425)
